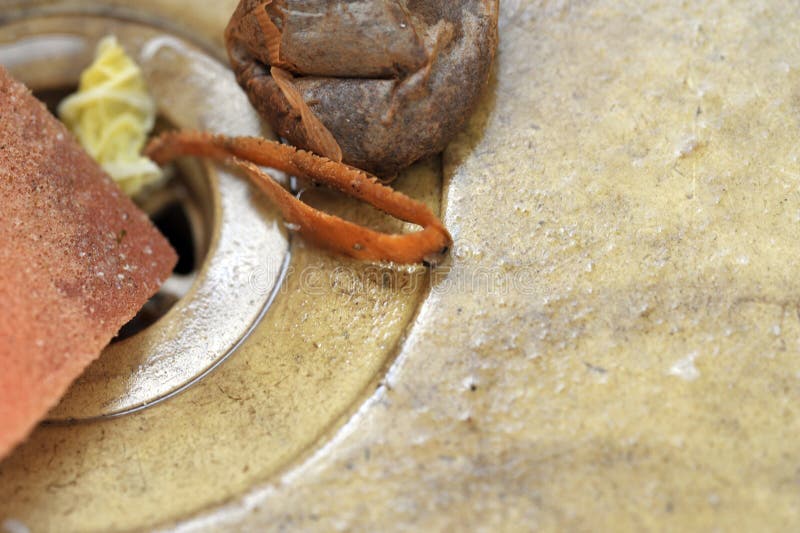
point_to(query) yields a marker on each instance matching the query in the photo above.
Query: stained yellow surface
(635, 169)
(615, 344)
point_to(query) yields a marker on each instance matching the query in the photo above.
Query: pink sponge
(77, 260)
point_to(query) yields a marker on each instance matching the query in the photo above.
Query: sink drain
(305, 369)
(222, 228)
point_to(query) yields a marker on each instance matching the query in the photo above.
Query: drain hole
(53, 97)
(173, 222)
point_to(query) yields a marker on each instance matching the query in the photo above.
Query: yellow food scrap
(111, 114)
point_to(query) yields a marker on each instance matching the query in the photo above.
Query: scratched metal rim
(220, 303)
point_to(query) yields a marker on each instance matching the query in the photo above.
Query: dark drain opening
(53, 97)
(173, 222)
